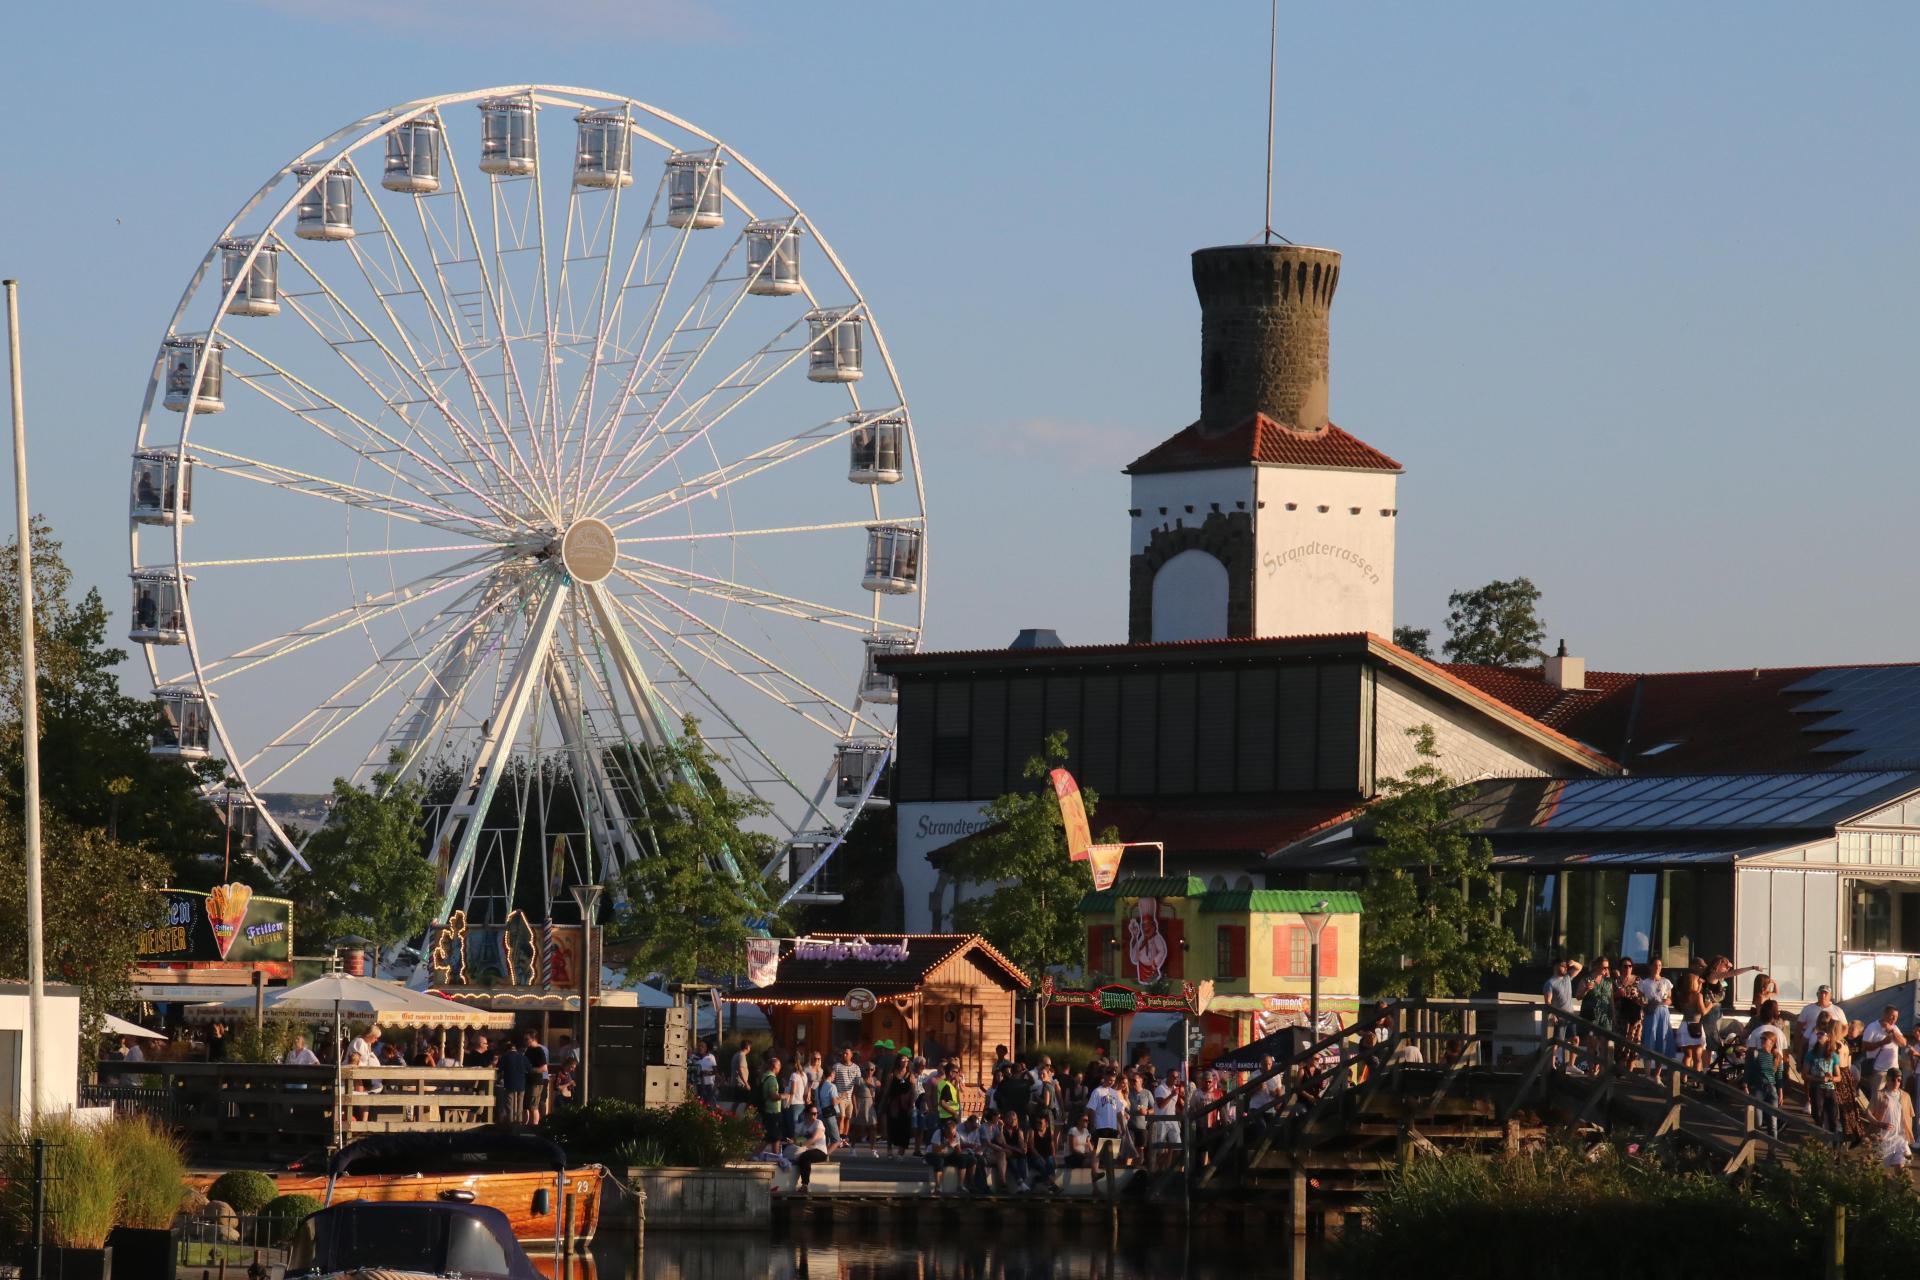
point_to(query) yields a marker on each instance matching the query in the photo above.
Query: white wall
(1190, 598)
(920, 829)
(61, 1026)
(1470, 746)
(1230, 487)
(1329, 571)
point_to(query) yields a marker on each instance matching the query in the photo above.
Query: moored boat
(518, 1174)
(407, 1240)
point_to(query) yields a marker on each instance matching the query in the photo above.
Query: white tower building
(1262, 518)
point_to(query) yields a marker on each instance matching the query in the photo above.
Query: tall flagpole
(1273, 53)
(29, 719)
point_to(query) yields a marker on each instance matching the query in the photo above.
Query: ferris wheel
(495, 435)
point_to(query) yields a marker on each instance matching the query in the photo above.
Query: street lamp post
(587, 898)
(1315, 920)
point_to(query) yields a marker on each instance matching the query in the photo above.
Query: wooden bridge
(1435, 1075)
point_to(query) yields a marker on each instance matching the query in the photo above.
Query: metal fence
(230, 1246)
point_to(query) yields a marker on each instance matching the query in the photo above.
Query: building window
(1230, 946)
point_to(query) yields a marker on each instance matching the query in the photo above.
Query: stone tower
(1263, 334)
(1262, 518)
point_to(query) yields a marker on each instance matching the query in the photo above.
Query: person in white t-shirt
(1880, 1046)
(1809, 1018)
(1080, 1142)
(1109, 1111)
(299, 1055)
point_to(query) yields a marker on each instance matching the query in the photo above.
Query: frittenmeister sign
(230, 926)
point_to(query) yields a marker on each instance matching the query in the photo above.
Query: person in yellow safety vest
(948, 1094)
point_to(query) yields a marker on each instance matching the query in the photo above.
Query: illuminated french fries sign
(229, 925)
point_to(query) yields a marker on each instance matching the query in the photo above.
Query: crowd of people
(1011, 1133)
(1852, 1077)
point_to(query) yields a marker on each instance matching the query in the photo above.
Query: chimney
(1263, 334)
(1563, 672)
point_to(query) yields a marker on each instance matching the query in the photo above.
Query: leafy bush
(1559, 1213)
(284, 1213)
(610, 1131)
(150, 1171)
(247, 1190)
(268, 1044)
(83, 1192)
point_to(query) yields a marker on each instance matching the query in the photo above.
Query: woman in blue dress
(1656, 1028)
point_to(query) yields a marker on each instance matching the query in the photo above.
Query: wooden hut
(948, 995)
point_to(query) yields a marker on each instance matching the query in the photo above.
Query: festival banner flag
(1073, 814)
(763, 961)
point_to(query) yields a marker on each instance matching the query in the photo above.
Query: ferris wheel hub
(589, 550)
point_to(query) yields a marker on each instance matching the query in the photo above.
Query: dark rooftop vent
(1036, 638)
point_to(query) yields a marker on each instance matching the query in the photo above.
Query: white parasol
(357, 1000)
(121, 1027)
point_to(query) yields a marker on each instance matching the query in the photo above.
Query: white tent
(356, 1000)
(121, 1027)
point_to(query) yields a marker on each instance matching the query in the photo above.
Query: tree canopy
(1032, 913)
(1415, 640)
(696, 897)
(97, 895)
(95, 767)
(1433, 905)
(370, 875)
(1498, 624)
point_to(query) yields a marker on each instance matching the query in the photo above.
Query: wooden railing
(277, 1109)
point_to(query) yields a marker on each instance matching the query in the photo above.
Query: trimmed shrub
(611, 1131)
(284, 1213)
(247, 1190)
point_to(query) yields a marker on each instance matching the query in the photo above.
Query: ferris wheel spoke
(425, 587)
(423, 372)
(495, 300)
(379, 553)
(733, 473)
(653, 572)
(442, 692)
(413, 394)
(707, 411)
(208, 458)
(861, 523)
(702, 640)
(725, 744)
(337, 711)
(378, 457)
(677, 359)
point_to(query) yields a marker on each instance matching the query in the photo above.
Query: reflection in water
(880, 1254)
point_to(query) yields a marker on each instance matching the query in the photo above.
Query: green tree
(1415, 640)
(1433, 905)
(97, 895)
(1498, 624)
(96, 770)
(1032, 914)
(696, 897)
(369, 872)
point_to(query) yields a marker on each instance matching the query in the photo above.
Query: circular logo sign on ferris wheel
(589, 550)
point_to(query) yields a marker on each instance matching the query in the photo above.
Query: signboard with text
(229, 928)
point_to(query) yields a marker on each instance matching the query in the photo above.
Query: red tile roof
(1674, 722)
(1261, 440)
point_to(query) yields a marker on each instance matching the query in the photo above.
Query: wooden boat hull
(510, 1191)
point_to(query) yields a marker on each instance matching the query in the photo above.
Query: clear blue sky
(1630, 291)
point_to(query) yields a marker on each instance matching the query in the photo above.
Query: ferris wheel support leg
(654, 723)
(610, 822)
(460, 829)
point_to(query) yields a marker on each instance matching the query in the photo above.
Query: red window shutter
(1281, 965)
(1176, 957)
(1329, 951)
(1230, 948)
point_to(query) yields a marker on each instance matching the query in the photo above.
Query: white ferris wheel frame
(619, 619)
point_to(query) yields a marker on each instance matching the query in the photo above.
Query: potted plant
(82, 1194)
(152, 1178)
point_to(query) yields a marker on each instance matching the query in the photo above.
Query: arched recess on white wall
(1190, 598)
